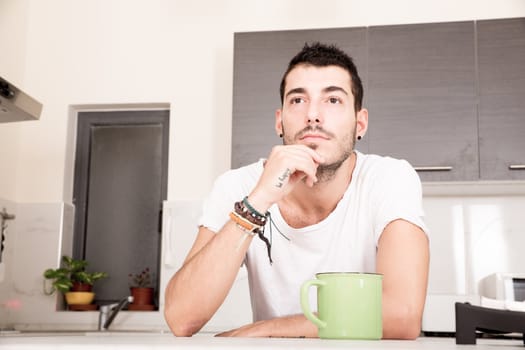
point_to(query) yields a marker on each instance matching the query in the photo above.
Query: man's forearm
(403, 259)
(200, 286)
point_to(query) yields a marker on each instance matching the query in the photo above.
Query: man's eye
(334, 100)
(296, 100)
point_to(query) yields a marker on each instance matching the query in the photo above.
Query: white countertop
(120, 340)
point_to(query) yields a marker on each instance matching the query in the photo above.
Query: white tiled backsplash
(471, 236)
(5, 278)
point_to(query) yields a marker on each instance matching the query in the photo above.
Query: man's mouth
(310, 134)
(313, 136)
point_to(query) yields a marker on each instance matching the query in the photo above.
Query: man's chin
(313, 146)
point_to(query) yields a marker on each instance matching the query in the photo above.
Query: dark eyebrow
(335, 88)
(298, 90)
(330, 88)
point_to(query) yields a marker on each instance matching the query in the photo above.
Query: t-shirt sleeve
(397, 195)
(218, 204)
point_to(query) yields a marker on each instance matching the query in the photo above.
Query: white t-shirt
(382, 189)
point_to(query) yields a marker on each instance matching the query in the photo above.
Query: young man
(331, 209)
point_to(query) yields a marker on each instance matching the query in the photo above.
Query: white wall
(73, 52)
(13, 28)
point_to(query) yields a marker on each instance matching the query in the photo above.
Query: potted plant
(73, 281)
(141, 290)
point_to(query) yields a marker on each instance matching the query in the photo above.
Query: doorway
(120, 183)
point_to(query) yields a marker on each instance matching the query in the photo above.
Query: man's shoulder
(374, 167)
(377, 162)
(233, 184)
(247, 172)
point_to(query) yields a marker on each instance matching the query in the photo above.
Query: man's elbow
(411, 331)
(405, 326)
(180, 326)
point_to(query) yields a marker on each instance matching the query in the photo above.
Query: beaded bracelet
(244, 209)
(251, 208)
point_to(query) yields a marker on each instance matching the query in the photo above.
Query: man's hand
(296, 326)
(257, 329)
(285, 167)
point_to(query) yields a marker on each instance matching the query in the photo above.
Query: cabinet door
(422, 98)
(501, 52)
(260, 60)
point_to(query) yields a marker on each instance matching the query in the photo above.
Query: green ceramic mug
(348, 305)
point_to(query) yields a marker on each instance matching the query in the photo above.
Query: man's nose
(314, 115)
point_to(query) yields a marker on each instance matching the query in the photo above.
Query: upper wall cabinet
(422, 98)
(260, 60)
(501, 52)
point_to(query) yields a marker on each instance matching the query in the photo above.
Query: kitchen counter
(123, 340)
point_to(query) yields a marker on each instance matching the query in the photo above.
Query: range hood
(15, 105)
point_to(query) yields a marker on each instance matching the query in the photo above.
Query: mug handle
(305, 305)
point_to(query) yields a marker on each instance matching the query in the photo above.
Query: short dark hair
(322, 55)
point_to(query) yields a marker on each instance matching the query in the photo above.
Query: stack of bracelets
(251, 221)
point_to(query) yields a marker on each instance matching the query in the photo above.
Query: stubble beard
(327, 171)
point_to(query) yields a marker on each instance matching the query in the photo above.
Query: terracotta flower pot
(81, 287)
(142, 295)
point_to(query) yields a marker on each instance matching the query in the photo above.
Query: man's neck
(306, 206)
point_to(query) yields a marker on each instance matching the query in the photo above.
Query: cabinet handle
(517, 167)
(433, 168)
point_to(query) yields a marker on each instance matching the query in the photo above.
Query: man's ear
(278, 122)
(361, 122)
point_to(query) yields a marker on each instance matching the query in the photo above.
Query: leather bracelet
(254, 218)
(245, 215)
(244, 224)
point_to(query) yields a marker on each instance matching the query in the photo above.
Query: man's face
(318, 111)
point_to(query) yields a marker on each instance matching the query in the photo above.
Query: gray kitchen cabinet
(260, 60)
(447, 97)
(421, 98)
(501, 52)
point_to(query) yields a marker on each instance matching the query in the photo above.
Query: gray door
(120, 183)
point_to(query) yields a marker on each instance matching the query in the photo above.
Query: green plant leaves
(72, 271)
